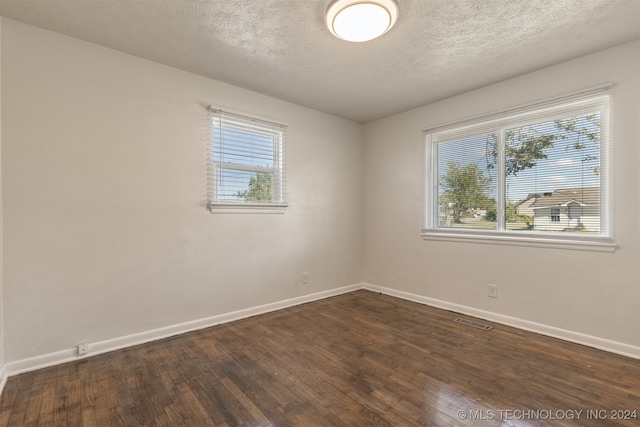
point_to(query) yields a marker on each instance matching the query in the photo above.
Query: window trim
(506, 118)
(226, 207)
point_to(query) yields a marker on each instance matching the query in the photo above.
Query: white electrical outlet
(493, 291)
(305, 278)
(83, 348)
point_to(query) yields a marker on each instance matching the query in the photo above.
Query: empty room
(320, 213)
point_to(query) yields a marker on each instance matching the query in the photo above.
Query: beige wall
(106, 230)
(586, 292)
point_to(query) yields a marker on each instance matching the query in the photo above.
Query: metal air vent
(474, 324)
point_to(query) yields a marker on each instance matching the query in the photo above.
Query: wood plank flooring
(359, 359)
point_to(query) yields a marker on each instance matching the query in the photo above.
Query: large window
(532, 175)
(247, 163)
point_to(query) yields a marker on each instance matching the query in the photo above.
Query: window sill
(541, 240)
(247, 208)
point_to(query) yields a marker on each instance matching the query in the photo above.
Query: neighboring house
(567, 209)
(524, 207)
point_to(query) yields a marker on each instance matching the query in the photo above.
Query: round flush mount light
(361, 20)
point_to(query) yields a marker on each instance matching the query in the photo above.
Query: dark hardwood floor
(358, 359)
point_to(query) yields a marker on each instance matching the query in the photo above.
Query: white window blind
(247, 162)
(538, 172)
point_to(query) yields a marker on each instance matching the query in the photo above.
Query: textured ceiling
(281, 48)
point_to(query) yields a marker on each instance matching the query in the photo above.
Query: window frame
(278, 170)
(601, 97)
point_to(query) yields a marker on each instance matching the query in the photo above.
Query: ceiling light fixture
(360, 20)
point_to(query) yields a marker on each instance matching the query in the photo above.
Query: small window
(508, 177)
(247, 163)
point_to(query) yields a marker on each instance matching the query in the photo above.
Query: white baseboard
(68, 355)
(95, 348)
(551, 331)
(3, 378)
